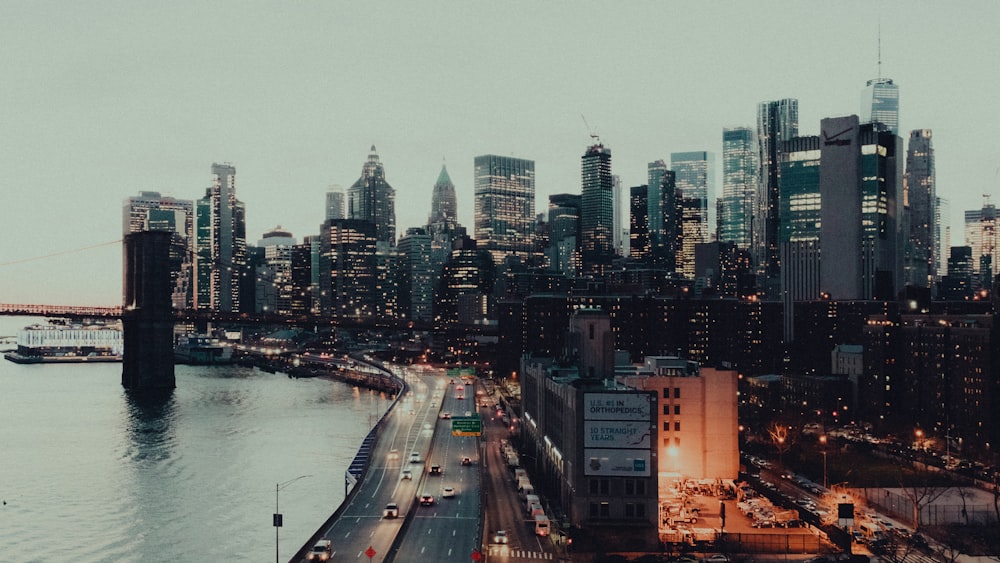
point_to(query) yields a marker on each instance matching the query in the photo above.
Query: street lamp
(822, 440)
(277, 515)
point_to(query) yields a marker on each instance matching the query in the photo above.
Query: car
(406, 474)
(393, 453)
(466, 460)
(415, 457)
(500, 536)
(435, 470)
(857, 536)
(391, 510)
(445, 414)
(716, 558)
(321, 551)
(448, 492)
(426, 500)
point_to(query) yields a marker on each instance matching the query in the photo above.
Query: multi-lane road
(416, 436)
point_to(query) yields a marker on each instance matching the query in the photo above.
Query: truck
(530, 498)
(541, 525)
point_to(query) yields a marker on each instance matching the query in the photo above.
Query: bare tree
(781, 438)
(920, 487)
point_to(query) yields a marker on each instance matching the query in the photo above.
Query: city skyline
(106, 101)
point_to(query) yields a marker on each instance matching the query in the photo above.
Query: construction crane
(590, 131)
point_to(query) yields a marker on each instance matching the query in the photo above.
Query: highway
(450, 528)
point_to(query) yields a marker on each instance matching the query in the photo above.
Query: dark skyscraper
(221, 243)
(921, 260)
(861, 197)
(777, 121)
(639, 223)
(740, 167)
(564, 234)
(597, 210)
(505, 206)
(444, 206)
(372, 199)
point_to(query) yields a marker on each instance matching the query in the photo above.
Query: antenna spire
(880, 48)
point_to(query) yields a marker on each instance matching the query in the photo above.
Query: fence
(900, 507)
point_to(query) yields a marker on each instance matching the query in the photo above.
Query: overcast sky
(101, 100)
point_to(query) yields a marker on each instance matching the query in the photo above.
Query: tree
(921, 487)
(781, 438)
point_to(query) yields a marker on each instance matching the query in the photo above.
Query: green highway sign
(466, 426)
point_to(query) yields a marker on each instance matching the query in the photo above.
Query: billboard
(616, 434)
(616, 406)
(616, 463)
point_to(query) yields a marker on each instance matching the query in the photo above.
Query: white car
(415, 457)
(407, 474)
(391, 510)
(448, 492)
(321, 551)
(500, 537)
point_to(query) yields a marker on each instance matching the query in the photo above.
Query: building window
(666, 393)
(677, 440)
(600, 487)
(666, 426)
(593, 510)
(666, 409)
(677, 409)
(591, 332)
(677, 426)
(677, 392)
(635, 510)
(605, 510)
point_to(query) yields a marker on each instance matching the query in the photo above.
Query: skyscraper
(656, 213)
(149, 211)
(564, 234)
(880, 103)
(372, 199)
(596, 210)
(221, 246)
(920, 196)
(740, 166)
(505, 206)
(348, 269)
(981, 237)
(618, 204)
(335, 203)
(444, 206)
(777, 121)
(416, 286)
(695, 188)
(799, 233)
(639, 224)
(861, 198)
(274, 289)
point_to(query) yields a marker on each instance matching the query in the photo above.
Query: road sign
(466, 426)
(476, 556)
(370, 552)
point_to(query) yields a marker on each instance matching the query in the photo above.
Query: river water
(87, 473)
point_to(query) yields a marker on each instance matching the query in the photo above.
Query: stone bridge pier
(147, 313)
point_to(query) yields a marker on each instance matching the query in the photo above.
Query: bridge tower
(147, 316)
